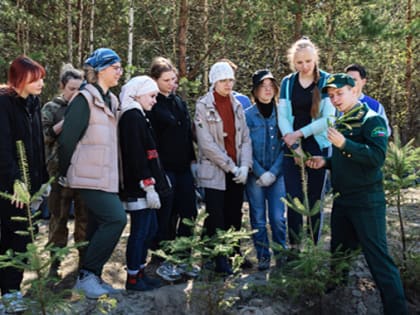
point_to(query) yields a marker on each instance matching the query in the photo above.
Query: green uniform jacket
(356, 168)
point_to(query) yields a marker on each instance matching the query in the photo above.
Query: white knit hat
(137, 86)
(220, 71)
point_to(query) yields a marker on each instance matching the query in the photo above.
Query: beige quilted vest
(94, 164)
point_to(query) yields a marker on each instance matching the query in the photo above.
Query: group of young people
(141, 159)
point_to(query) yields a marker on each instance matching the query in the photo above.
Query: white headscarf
(137, 86)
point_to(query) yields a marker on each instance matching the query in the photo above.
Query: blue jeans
(143, 228)
(261, 200)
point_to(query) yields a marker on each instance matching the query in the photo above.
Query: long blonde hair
(299, 45)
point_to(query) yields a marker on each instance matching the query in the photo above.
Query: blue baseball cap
(102, 58)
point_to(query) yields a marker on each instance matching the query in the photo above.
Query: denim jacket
(267, 147)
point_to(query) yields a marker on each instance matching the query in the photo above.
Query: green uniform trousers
(352, 227)
(109, 217)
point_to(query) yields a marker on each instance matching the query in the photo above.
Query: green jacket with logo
(356, 167)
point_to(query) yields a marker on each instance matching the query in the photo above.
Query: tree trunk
(174, 26)
(298, 20)
(330, 34)
(80, 8)
(130, 41)
(206, 41)
(222, 22)
(182, 38)
(92, 25)
(411, 119)
(22, 32)
(69, 33)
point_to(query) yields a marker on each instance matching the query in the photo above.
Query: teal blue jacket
(318, 127)
(356, 172)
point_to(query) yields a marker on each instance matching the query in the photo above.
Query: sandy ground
(358, 298)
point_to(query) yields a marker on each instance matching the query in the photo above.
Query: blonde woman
(303, 113)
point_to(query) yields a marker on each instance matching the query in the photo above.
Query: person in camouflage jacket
(61, 198)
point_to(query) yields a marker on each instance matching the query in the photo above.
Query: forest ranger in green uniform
(358, 214)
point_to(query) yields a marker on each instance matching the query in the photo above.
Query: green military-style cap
(338, 80)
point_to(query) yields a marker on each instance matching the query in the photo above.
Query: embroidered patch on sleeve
(379, 132)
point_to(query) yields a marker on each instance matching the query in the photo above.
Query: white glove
(235, 171)
(266, 179)
(152, 197)
(62, 181)
(35, 204)
(194, 169)
(241, 176)
(47, 190)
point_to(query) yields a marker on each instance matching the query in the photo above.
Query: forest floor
(359, 297)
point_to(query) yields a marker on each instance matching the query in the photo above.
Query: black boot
(222, 265)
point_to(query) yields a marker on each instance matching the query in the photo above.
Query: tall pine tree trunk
(205, 19)
(80, 8)
(298, 19)
(22, 31)
(91, 25)
(130, 41)
(182, 38)
(330, 34)
(69, 33)
(411, 119)
(175, 27)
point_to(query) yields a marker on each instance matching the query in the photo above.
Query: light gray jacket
(213, 160)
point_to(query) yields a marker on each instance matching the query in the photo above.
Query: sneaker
(53, 273)
(14, 303)
(264, 263)
(136, 284)
(246, 264)
(189, 271)
(151, 282)
(223, 266)
(292, 254)
(168, 272)
(90, 285)
(281, 262)
(108, 287)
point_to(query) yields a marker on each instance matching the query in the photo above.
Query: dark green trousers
(109, 217)
(352, 227)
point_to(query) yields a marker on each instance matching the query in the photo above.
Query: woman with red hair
(20, 119)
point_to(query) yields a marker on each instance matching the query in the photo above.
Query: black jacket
(20, 119)
(139, 157)
(172, 124)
